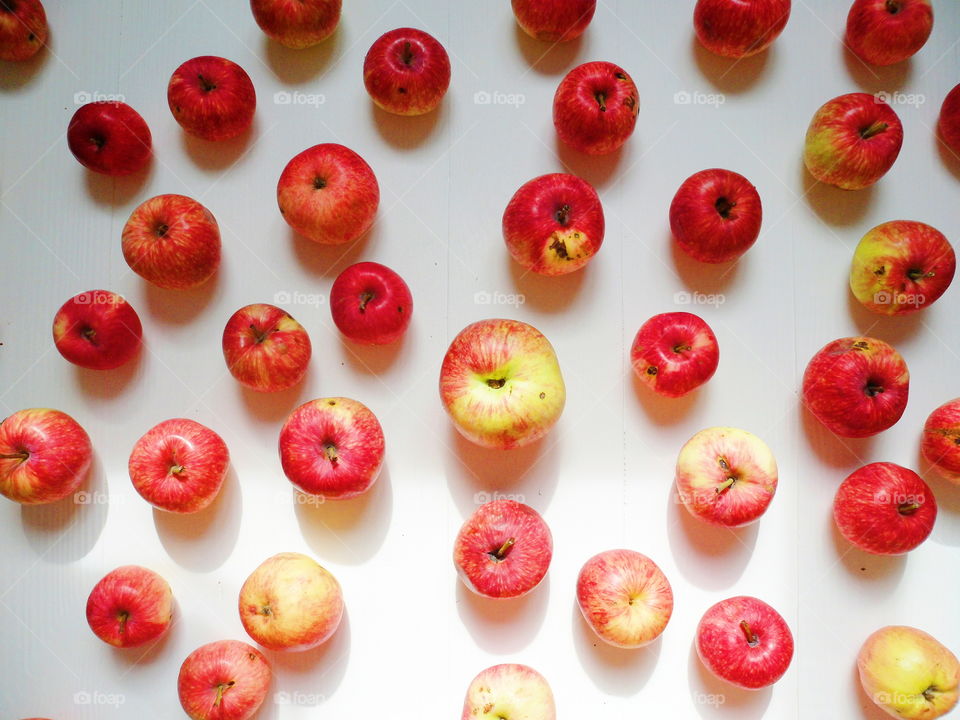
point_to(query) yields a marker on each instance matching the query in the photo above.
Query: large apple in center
(737, 29)
(595, 108)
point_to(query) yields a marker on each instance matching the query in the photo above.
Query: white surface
(413, 637)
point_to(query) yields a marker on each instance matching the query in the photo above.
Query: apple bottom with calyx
(941, 440)
(509, 692)
(674, 353)
(297, 25)
(223, 680)
(371, 304)
(130, 606)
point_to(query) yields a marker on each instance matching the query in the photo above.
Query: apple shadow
(272, 407)
(374, 359)
(663, 410)
(833, 205)
(347, 532)
(950, 159)
(702, 277)
(715, 698)
(875, 78)
(615, 671)
(845, 454)
(595, 169)
(311, 677)
(108, 384)
(178, 307)
(729, 75)
(948, 501)
(546, 58)
(868, 709)
(117, 191)
(404, 132)
(203, 540)
(296, 67)
(552, 294)
(329, 260)
(127, 658)
(503, 626)
(893, 329)
(16, 74)
(217, 155)
(882, 572)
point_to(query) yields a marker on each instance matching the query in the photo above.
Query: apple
(856, 386)
(503, 550)
(554, 224)
(265, 348)
(675, 353)
(737, 29)
(744, 641)
(44, 456)
(941, 440)
(852, 141)
(179, 465)
(884, 509)
(726, 476)
(948, 123)
(554, 20)
(501, 384)
(509, 692)
(109, 138)
(212, 98)
(329, 194)
(595, 108)
(23, 29)
(290, 603)
(332, 447)
(715, 215)
(172, 241)
(624, 597)
(223, 680)
(297, 24)
(901, 266)
(908, 673)
(884, 32)
(97, 330)
(371, 304)
(406, 72)
(129, 607)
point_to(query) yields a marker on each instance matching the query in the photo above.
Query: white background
(413, 637)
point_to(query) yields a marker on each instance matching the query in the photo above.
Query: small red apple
(297, 24)
(595, 108)
(554, 20)
(948, 123)
(406, 72)
(884, 32)
(941, 440)
(737, 29)
(675, 353)
(109, 138)
(98, 330)
(371, 304)
(212, 97)
(23, 29)
(265, 348)
(130, 606)
(223, 680)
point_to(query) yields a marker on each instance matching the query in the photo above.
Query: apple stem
(563, 215)
(728, 483)
(504, 549)
(751, 636)
(875, 129)
(601, 98)
(221, 689)
(908, 508)
(365, 297)
(15, 456)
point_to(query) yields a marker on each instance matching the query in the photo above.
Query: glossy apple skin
(554, 224)
(940, 444)
(675, 353)
(554, 20)
(97, 330)
(856, 386)
(500, 383)
(884, 32)
(624, 597)
(290, 603)
(715, 215)
(265, 348)
(371, 304)
(130, 606)
(898, 666)
(172, 241)
(109, 138)
(737, 29)
(948, 123)
(509, 691)
(406, 72)
(332, 447)
(503, 550)
(297, 24)
(595, 108)
(901, 267)
(179, 465)
(852, 141)
(212, 98)
(23, 29)
(726, 476)
(329, 194)
(223, 680)
(44, 456)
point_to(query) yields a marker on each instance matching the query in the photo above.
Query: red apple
(625, 598)
(675, 353)
(948, 123)
(172, 241)
(179, 465)
(371, 304)
(332, 447)
(856, 386)
(554, 20)
(109, 138)
(595, 108)
(98, 330)
(265, 348)
(852, 141)
(130, 606)
(509, 692)
(745, 641)
(503, 550)
(737, 29)
(406, 72)
(212, 97)
(554, 224)
(884, 32)
(223, 680)
(715, 215)
(329, 194)
(44, 456)
(23, 29)
(297, 24)
(941, 440)
(884, 509)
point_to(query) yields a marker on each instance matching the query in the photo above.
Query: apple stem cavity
(221, 691)
(504, 549)
(872, 130)
(752, 639)
(601, 98)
